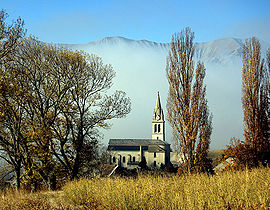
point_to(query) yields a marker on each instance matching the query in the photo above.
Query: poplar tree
(187, 109)
(255, 99)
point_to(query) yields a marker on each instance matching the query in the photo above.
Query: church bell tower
(158, 123)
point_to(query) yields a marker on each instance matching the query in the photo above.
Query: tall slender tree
(255, 99)
(187, 109)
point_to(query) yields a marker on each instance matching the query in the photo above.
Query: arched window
(134, 159)
(113, 159)
(155, 128)
(124, 159)
(158, 127)
(155, 163)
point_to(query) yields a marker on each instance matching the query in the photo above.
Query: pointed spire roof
(158, 110)
(158, 106)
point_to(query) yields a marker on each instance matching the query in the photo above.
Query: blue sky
(83, 21)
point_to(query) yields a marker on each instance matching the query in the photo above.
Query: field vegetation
(247, 189)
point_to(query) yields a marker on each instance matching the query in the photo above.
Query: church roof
(155, 148)
(138, 142)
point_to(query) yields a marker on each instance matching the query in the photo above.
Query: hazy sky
(82, 21)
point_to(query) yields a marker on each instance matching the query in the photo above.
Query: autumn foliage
(53, 103)
(255, 150)
(187, 109)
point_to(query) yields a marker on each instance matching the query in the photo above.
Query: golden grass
(12, 199)
(229, 190)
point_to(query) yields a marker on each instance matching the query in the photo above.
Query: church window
(155, 163)
(124, 159)
(155, 154)
(114, 160)
(134, 159)
(155, 128)
(158, 127)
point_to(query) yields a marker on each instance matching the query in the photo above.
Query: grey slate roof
(155, 148)
(138, 142)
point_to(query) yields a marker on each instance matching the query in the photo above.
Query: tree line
(53, 102)
(188, 112)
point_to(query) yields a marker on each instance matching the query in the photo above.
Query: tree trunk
(77, 162)
(52, 182)
(76, 166)
(18, 179)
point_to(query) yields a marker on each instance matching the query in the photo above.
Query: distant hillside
(217, 51)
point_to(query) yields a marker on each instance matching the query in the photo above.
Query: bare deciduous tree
(255, 99)
(53, 103)
(187, 110)
(9, 35)
(11, 112)
(87, 108)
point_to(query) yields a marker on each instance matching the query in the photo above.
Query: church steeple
(158, 123)
(158, 112)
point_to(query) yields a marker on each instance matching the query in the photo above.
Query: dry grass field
(228, 190)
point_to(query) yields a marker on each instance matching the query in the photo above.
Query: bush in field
(242, 154)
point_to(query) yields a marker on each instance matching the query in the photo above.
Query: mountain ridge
(216, 51)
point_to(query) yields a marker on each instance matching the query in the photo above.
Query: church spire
(158, 123)
(158, 106)
(158, 112)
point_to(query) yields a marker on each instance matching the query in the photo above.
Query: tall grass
(13, 199)
(229, 190)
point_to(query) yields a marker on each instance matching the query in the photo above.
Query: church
(129, 153)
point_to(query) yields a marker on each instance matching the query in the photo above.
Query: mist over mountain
(140, 72)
